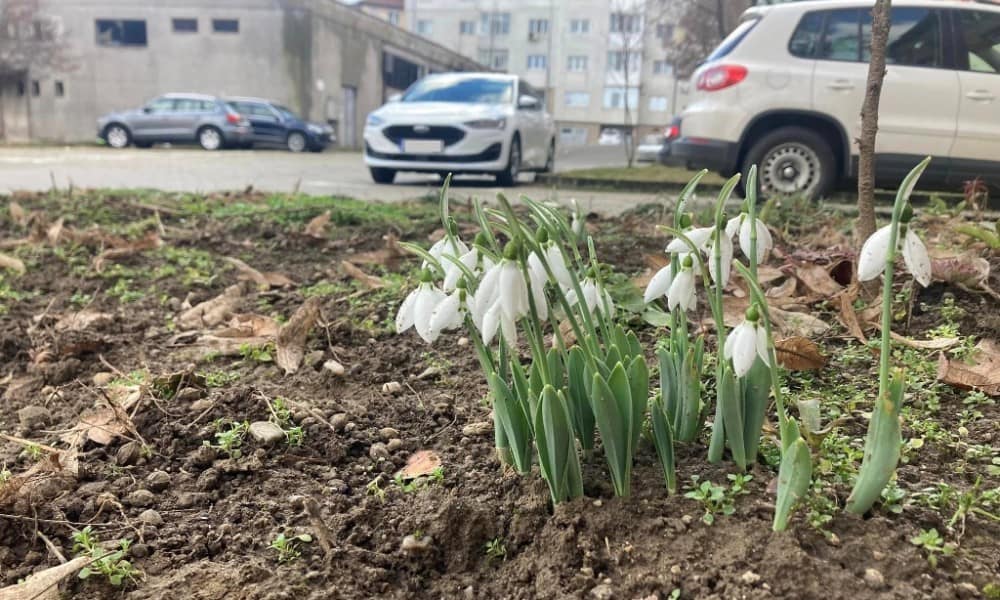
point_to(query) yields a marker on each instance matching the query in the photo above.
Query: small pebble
(151, 517)
(339, 421)
(687, 519)
(477, 429)
(878, 555)
(266, 432)
(392, 387)
(128, 454)
(874, 578)
(966, 590)
(33, 417)
(208, 480)
(749, 578)
(158, 481)
(138, 550)
(334, 367)
(586, 571)
(103, 378)
(338, 486)
(602, 592)
(598, 503)
(141, 498)
(201, 405)
(379, 451)
(394, 445)
(387, 433)
(675, 570)
(414, 545)
(463, 341)
(188, 394)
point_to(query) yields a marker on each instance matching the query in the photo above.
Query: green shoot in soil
(110, 564)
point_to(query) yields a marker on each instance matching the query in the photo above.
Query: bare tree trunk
(720, 10)
(865, 225)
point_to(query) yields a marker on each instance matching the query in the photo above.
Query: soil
(219, 514)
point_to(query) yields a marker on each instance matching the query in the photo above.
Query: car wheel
(117, 136)
(296, 142)
(143, 144)
(210, 138)
(380, 175)
(508, 177)
(792, 161)
(550, 158)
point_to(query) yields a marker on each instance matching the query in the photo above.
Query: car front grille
(491, 153)
(445, 133)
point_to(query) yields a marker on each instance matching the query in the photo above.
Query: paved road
(336, 173)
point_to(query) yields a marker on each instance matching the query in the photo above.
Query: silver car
(176, 118)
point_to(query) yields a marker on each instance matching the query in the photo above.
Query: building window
(225, 25)
(20, 87)
(576, 63)
(538, 26)
(185, 25)
(626, 23)
(662, 67)
(120, 32)
(537, 62)
(577, 99)
(36, 88)
(60, 89)
(495, 59)
(393, 17)
(579, 25)
(614, 97)
(618, 60)
(467, 28)
(658, 103)
(494, 23)
(424, 27)
(665, 31)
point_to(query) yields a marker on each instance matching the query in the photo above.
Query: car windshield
(475, 90)
(285, 111)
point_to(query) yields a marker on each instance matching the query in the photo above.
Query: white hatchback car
(784, 91)
(462, 123)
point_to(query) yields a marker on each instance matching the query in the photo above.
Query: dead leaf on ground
(317, 226)
(982, 374)
(264, 280)
(797, 353)
(369, 281)
(966, 271)
(849, 317)
(17, 213)
(84, 319)
(290, 345)
(421, 462)
(12, 263)
(150, 241)
(214, 311)
(389, 254)
(817, 280)
(44, 585)
(62, 466)
(249, 326)
(934, 344)
(797, 323)
(108, 420)
(54, 232)
(784, 290)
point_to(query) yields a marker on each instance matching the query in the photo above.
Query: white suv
(461, 123)
(784, 91)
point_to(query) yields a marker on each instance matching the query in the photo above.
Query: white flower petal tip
(764, 241)
(682, 291)
(874, 252)
(658, 285)
(746, 342)
(916, 258)
(404, 318)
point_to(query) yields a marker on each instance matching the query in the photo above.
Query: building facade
(592, 57)
(325, 60)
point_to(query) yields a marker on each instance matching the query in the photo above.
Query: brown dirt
(220, 514)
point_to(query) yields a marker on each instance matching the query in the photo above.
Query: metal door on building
(14, 114)
(349, 135)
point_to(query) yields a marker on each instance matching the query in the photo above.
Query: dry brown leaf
(983, 374)
(17, 213)
(59, 466)
(965, 271)
(84, 319)
(44, 585)
(784, 290)
(275, 279)
(766, 274)
(317, 226)
(54, 232)
(797, 353)
(369, 281)
(849, 317)
(101, 426)
(263, 280)
(389, 254)
(935, 344)
(12, 263)
(290, 345)
(817, 280)
(797, 323)
(249, 326)
(421, 462)
(214, 311)
(150, 241)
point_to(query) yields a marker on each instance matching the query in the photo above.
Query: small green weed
(229, 437)
(496, 549)
(288, 547)
(110, 564)
(262, 354)
(933, 545)
(717, 499)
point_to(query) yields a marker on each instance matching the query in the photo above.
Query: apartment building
(592, 57)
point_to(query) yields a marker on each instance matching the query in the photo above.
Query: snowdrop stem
(751, 191)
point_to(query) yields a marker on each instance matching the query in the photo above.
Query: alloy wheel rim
(117, 138)
(789, 169)
(296, 143)
(210, 139)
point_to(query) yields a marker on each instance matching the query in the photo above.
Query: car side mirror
(147, 109)
(394, 98)
(528, 102)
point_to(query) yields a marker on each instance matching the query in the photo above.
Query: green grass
(643, 174)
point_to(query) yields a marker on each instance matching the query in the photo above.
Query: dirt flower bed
(205, 397)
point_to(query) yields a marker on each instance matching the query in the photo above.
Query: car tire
(550, 158)
(296, 142)
(143, 144)
(384, 176)
(117, 136)
(792, 161)
(210, 138)
(508, 177)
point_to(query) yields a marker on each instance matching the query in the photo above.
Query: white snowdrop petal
(700, 237)
(445, 313)
(762, 349)
(658, 285)
(744, 348)
(491, 321)
(538, 295)
(486, 292)
(557, 262)
(764, 241)
(509, 329)
(734, 225)
(916, 258)
(606, 302)
(726, 250)
(404, 318)
(727, 349)
(428, 297)
(535, 267)
(871, 261)
(681, 290)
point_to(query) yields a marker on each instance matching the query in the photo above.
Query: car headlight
(487, 123)
(373, 121)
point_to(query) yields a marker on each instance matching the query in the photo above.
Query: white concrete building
(590, 56)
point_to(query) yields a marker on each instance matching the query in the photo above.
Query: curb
(623, 185)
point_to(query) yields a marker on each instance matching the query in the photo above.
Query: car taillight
(721, 77)
(234, 118)
(671, 132)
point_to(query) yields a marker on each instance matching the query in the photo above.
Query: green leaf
(656, 317)
(514, 421)
(556, 448)
(611, 424)
(732, 416)
(115, 579)
(690, 404)
(756, 390)
(85, 573)
(794, 476)
(882, 448)
(579, 398)
(638, 380)
(663, 440)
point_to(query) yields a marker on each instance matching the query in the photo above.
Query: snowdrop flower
(577, 224)
(417, 308)
(705, 240)
(471, 260)
(680, 289)
(556, 261)
(875, 252)
(699, 236)
(450, 244)
(740, 225)
(449, 313)
(502, 299)
(747, 341)
(594, 297)
(659, 284)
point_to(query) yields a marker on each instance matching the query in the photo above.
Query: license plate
(422, 146)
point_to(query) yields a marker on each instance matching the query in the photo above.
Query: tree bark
(865, 225)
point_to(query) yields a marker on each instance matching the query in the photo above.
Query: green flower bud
(907, 213)
(482, 240)
(753, 314)
(512, 250)
(426, 276)
(688, 262)
(686, 220)
(542, 235)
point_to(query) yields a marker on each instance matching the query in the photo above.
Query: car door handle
(980, 95)
(840, 85)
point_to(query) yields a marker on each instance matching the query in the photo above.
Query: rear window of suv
(733, 39)
(845, 35)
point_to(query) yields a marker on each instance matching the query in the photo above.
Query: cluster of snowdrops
(523, 277)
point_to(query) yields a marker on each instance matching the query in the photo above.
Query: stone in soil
(151, 517)
(34, 417)
(103, 378)
(394, 445)
(379, 451)
(392, 387)
(874, 579)
(334, 367)
(413, 545)
(128, 454)
(477, 429)
(158, 481)
(188, 394)
(387, 433)
(141, 498)
(339, 421)
(202, 456)
(266, 432)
